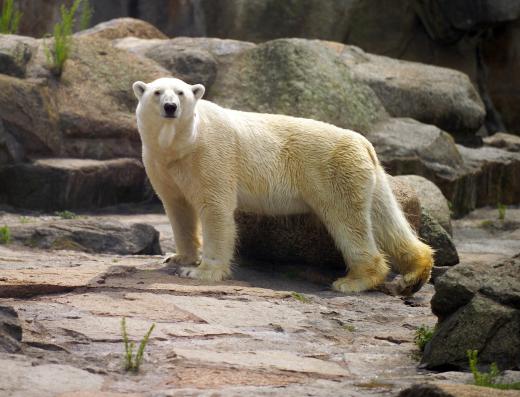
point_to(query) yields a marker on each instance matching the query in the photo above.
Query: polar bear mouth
(169, 116)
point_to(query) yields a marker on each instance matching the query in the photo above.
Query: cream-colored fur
(208, 161)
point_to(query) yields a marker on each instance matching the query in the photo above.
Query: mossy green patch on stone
(300, 78)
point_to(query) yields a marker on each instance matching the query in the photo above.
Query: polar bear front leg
(184, 222)
(218, 242)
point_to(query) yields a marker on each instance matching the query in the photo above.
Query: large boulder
(123, 27)
(15, 54)
(284, 76)
(86, 112)
(90, 235)
(194, 60)
(433, 95)
(478, 306)
(431, 198)
(57, 184)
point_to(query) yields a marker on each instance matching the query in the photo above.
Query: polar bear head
(167, 98)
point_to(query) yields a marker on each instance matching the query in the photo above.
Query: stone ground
(266, 333)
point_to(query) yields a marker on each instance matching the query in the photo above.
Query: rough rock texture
(57, 184)
(497, 175)
(478, 309)
(10, 330)
(509, 142)
(123, 27)
(283, 76)
(15, 54)
(436, 237)
(195, 60)
(454, 390)
(303, 238)
(431, 198)
(90, 236)
(439, 96)
(87, 113)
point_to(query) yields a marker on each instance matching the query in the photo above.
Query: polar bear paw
(349, 285)
(181, 260)
(206, 272)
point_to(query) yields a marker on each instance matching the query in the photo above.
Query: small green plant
(133, 362)
(62, 34)
(501, 211)
(86, 15)
(10, 18)
(348, 327)
(66, 214)
(487, 224)
(301, 297)
(487, 379)
(423, 335)
(25, 219)
(5, 234)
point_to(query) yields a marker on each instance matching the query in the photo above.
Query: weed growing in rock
(66, 214)
(5, 235)
(132, 362)
(487, 379)
(423, 335)
(86, 15)
(25, 219)
(501, 211)
(62, 34)
(348, 327)
(10, 18)
(300, 297)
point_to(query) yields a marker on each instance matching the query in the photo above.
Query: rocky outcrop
(501, 140)
(429, 94)
(123, 27)
(95, 236)
(431, 198)
(15, 54)
(478, 309)
(57, 184)
(283, 76)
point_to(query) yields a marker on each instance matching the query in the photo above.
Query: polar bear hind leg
(394, 235)
(349, 223)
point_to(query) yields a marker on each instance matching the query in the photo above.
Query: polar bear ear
(139, 89)
(198, 90)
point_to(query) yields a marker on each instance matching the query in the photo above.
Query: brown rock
(123, 27)
(57, 184)
(505, 141)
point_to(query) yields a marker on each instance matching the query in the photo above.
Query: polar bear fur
(205, 162)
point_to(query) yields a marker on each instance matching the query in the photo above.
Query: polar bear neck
(177, 138)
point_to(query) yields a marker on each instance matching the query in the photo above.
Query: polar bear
(205, 162)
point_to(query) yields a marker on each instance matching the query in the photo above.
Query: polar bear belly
(274, 202)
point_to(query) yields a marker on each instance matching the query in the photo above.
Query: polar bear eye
(157, 93)
(180, 93)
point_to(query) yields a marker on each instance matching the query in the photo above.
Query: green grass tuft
(5, 234)
(501, 211)
(133, 362)
(10, 18)
(86, 15)
(423, 335)
(62, 34)
(348, 327)
(66, 214)
(301, 297)
(488, 379)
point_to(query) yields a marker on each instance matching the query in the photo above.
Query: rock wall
(477, 37)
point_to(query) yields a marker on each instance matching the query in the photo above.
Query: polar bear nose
(170, 108)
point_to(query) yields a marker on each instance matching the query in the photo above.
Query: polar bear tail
(394, 235)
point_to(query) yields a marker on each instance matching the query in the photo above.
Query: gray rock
(430, 94)
(431, 198)
(501, 140)
(10, 330)
(436, 237)
(11, 151)
(57, 184)
(123, 27)
(284, 76)
(96, 236)
(478, 306)
(15, 54)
